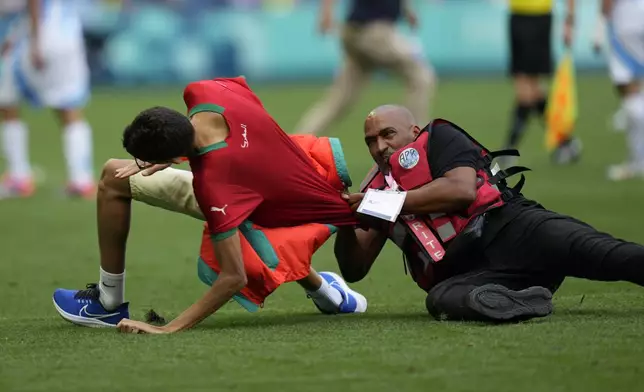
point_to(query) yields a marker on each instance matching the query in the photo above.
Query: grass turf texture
(49, 242)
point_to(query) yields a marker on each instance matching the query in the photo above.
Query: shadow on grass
(277, 320)
(413, 319)
(635, 312)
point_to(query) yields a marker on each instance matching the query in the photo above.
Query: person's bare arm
(452, 192)
(455, 191)
(232, 278)
(356, 250)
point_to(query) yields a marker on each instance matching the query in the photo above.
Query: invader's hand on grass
(131, 326)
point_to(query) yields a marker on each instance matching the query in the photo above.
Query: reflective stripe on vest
(444, 227)
(425, 236)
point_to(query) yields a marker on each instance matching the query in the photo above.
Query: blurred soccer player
(43, 61)
(369, 42)
(625, 20)
(530, 30)
(618, 121)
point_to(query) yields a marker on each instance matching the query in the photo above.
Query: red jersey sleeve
(224, 203)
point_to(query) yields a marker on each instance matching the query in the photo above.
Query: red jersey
(258, 173)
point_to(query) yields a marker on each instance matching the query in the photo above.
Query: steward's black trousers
(525, 245)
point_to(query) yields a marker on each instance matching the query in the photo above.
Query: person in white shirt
(624, 22)
(44, 62)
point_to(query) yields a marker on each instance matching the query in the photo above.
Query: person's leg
(551, 244)
(342, 94)
(506, 276)
(331, 294)
(541, 63)
(520, 37)
(602, 257)
(538, 248)
(633, 109)
(619, 120)
(531, 55)
(78, 152)
(387, 48)
(63, 85)
(626, 63)
(540, 99)
(17, 181)
(170, 189)
(524, 103)
(579, 250)
(489, 296)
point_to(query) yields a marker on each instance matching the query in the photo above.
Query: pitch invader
(43, 62)
(625, 23)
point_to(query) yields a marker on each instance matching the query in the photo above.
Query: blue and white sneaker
(82, 307)
(352, 301)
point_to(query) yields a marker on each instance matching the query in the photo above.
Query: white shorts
(64, 82)
(626, 38)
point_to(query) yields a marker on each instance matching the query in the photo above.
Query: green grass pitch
(48, 242)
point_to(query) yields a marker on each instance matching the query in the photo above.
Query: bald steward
(387, 129)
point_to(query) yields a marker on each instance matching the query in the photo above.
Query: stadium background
(141, 54)
(276, 40)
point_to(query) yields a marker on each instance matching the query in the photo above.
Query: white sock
(77, 145)
(15, 147)
(634, 108)
(327, 297)
(112, 288)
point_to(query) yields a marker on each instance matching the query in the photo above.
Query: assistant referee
(530, 34)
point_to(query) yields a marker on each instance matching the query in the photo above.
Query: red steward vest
(425, 239)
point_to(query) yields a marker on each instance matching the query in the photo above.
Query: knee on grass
(448, 301)
(435, 306)
(109, 185)
(489, 302)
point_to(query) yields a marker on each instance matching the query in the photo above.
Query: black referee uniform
(530, 43)
(531, 37)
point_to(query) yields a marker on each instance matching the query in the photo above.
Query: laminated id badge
(383, 204)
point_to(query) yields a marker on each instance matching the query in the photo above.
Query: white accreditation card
(382, 204)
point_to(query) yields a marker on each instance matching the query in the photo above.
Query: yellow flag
(561, 113)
